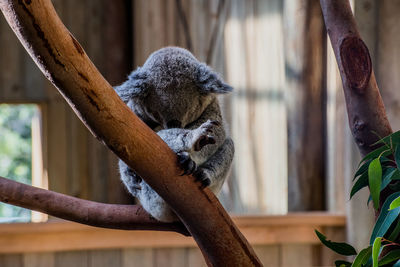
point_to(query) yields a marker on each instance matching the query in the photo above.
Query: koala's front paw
(203, 137)
(186, 163)
(202, 176)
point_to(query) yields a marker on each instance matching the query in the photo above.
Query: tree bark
(366, 112)
(127, 217)
(66, 65)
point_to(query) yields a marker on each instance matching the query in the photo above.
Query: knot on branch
(356, 63)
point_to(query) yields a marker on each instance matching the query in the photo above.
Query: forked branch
(66, 65)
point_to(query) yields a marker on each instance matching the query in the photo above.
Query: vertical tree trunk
(366, 112)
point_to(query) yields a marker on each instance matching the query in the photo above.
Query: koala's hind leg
(217, 166)
(196, 140)
(202, 136)
(130, 179)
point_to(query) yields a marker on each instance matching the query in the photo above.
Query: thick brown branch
(128, 217)
(366, 112)
(67, 66)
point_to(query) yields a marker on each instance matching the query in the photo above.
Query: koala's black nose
(174, 124)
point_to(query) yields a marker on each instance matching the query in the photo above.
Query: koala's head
(172, 88)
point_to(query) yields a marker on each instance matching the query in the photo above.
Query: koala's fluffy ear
(135, 86)
(209, 81)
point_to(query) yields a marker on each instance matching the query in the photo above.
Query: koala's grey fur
(175, 95)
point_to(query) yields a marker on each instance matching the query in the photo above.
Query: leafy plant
(379, 170)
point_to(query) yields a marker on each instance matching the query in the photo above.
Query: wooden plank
(117, 63)
(169, 257)
(105, 258)
(150, 38)
(366, 13)
(11, 60)
(298, 255)
(44, 237)
(39, 260)
(14, 260)
(268, 255)
(258, 98)
(242, 199)
(78, 160)
(32, 80)
(54, 117)
(97, 167)
(138, 257)
(292, 219)
(39, 175)
(200, 27)
(388, 41)
(77, 20)
(93, 31)
(57, 144)
(305, 96)
(72, 258)
(195, 258)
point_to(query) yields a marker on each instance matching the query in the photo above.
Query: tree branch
(365, 109)
(127, 217)
(66, 65)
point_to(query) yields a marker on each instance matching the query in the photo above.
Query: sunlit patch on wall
(20, 155)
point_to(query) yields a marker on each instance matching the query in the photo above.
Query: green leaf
(385, 182)
(397, 155)
(389, 172)
(362, 169)
(359, 184)
(386, 218)
(390, 257)
(381, 151)
(375, 180)
(362, 257)
(395, 186)
(340, 248)
(376, 247)
(392, 139)
(340, 263)
(395, 233)
(395, 204)
(396, 175)
(397, 264)
(387, 176)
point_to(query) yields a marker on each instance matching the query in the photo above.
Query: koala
(175, 95)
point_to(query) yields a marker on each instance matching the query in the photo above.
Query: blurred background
(294, 159)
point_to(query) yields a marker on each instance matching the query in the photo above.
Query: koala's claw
(216, 123)
(202, 177)
(187, 164)
(135, 177)
(203, 141)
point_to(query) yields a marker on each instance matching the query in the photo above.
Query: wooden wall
(292, 255)
(74, 161)
(286, 240)
(244, 40)
(274, 256)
